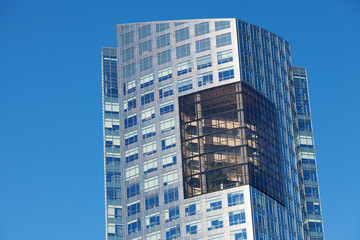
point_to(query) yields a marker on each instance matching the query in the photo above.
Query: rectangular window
(164, 74)
(127, 54)
(166, 90)
(129, 87)
(219, 236)
(147, 114)
(145, 47)
(315, 226)
(205, 78)
(238, 234)
(172, 214)
(114, 211)
(129, 70)
(224, 56)
(153, 236)
(162, 27)
(223, 39)
(168, 142)
(185, 84)
(144, 31)
(127, 38)
(133, 190)
(149, 148)
(182, 34)
(134, 226)
(226, 73)
(113, 193)
(222, 25)
(202, 45)
(213, 203)
(214, 222)
(152, 201)
(313, 208)
(183, 51)
(163, 41)
(235, 198)
(169, 159)
(183, 68)
(201, 29)
(149, 131)
(152, 220)
(310, 175)
(114, 230)
(164, 57)
(192, 208)
(193, 227)
(133, 208)
(131, 137)
(203, 62)
(113, 177)
(236, 217)
(151, 183)
(167, 107)
(312, 192)
(170, 177)
(132, 172)
(171, 195)
(130, 121)
(173, 232)
(129, 104)
(167, 124)
(147, 97)
(150, 165)
(131, 154)
(146, 63)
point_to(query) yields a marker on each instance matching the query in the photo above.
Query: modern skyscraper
(198, 133)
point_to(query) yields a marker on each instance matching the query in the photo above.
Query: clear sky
(51, 154)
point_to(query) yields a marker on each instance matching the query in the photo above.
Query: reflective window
(225, 56)
(166, 107)
(149, 148)
(236, 217)
(147, 97)
(113, 177)
(171, 195)
(131, 154)
(213, 203)
(185, 84)
(132, 172)
(172, 232)
(146, 63)
(310, 175)
(201, 28)
(205, 78)
(130, 121)
(192, 208)
(182, 34)
(147, 114)
(183, 68)
(170, 177)
(113, 193)
(167, 124)
(127, 38)
(235, 198)
(150, 165)
(129, 104)
(313, 208)
(153, 236)
(133, 208)
(214, 222)
(152, 201)
(226, 73)
(163, 40)
(169, 159)
(134, 226)
(149, 131)
(152, 220)
(203, 62)
(183, 51)
(164, 74)
(202, 45)
(223, 40)
(162, 26)
(222, 25)
(171, 214)
(168, 142)
(166, 90)
(164, 57)
(238, 234)
(133, 190)
(129, 87)
(151, 183)
(315, 226)
(127, 54)
(144, 31)
(193, 227)
(312, 192)
(128, 70)
(145, 47)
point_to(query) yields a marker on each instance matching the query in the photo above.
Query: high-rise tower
(198, 133)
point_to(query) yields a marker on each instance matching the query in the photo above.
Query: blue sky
(51, 172)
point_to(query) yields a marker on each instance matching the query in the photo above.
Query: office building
(198, 133)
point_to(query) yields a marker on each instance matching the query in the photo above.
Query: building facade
(198, 133)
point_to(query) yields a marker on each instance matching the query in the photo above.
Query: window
(150, 165)
(238, 234)
(203, 62)
(127, 54)
(134, 226)
(131, 154)
(222, 25)
(224, 56)
(312, 192)
(193, 227)
(167, 124)
(183, 68)
(151, 183)
(133, 208)
(185, 84)
(223, 39)
(170, 177)
(171, 214)
(153, 236)
(172, 232)
(127, 38)
(183, 51)
(147, 97)
(163, 40)
(201, 29)
(133, 190)
(145, 63)
(114, 230)
(213, 203)
(310, 175)
(219, 236)
(152, 220)
(192, 208)
(149, 148)
(164, 57)
(315, 226)
(129, 70)
(166, 107)
(166, 90)
(113, 193)
(149, 131)
(161, 27)
(202, 45)
(144, 47)
(171, 195)
(114, 211)
(129, 104)
(132, 172)
(226, 73)
(164, 74)
(144, 31)
(152, 201)
(169, 159)
(235, 198)
(130, 121)
(205, 78)
(236, 217)
(113, 177)
(129, 87)
(313, 208)
(182, 34)
(168, 142)
(147, 114)
(214, 222)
